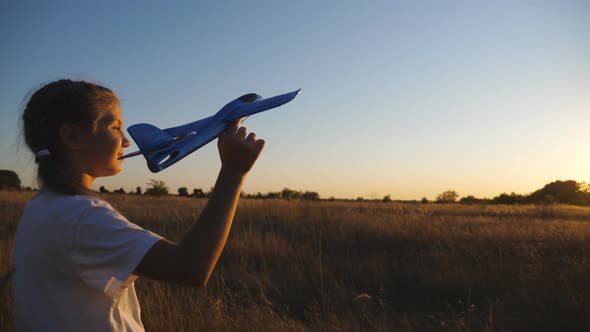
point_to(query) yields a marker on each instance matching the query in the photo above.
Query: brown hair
(51, 106)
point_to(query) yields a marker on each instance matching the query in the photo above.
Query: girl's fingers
(231, 128)
(242, 132)
(259, 144)
(251, 138)
(236, 123)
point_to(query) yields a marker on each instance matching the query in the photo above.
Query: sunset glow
(407, 99)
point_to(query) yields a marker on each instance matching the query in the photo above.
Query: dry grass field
(358, 266)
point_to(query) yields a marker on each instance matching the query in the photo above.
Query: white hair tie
(43, 153)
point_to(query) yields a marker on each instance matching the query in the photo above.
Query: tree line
(9, 180)
(557, 192)
(159, 188)
(560, 192)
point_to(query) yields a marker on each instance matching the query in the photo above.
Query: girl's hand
(238, 152)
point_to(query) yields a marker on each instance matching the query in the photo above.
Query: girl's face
(105, 145)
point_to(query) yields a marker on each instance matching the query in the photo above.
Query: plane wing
(261, 105)
(187, 128)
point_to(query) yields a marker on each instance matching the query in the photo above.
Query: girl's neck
(78, 174)
(86, 180)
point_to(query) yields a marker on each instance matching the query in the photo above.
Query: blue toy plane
(163, 148)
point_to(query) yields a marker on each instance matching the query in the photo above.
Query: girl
(76, 258)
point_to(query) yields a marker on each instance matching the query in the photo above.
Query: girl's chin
(111, 171)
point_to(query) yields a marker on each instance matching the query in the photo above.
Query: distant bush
(199, 193)
(289, 194)
(474, 200)
(157, 188)
(9, 180)
(311, 196)
(510, 199)
(183, 191)
(449, 196)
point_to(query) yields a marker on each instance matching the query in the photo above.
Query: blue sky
(405, 98)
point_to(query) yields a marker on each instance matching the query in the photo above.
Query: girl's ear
(72, 136)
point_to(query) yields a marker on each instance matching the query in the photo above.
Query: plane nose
(249, 98)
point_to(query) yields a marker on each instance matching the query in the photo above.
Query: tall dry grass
(356, 266)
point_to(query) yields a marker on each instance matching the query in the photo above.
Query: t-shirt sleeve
(107, 248)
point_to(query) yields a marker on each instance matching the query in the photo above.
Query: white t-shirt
(74, 257)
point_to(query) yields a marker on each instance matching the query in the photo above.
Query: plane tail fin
(153, 143)
(148, 137)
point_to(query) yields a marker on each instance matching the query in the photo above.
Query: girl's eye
(117, 128)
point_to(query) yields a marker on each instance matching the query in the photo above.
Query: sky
(400, 98)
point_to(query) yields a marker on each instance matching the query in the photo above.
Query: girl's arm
(191, 261)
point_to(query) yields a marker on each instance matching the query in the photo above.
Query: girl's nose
(125, 143)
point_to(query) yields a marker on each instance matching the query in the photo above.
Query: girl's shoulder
(51, 204)
(52, 220)
(50, 195)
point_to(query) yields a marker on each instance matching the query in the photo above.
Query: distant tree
(119, 191)
(331, 199)
(156, 188)
(291, 194)
(288, 194)
(183, 191)
(272, 195)
(259, 195)
(424, 200)
(102, 189)
(199, 193)
(584, 187)
(311, 196)
(9, 180)
(386, 199)
(138, 190)
(359, 199)
(449, 196)
(564, 192)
